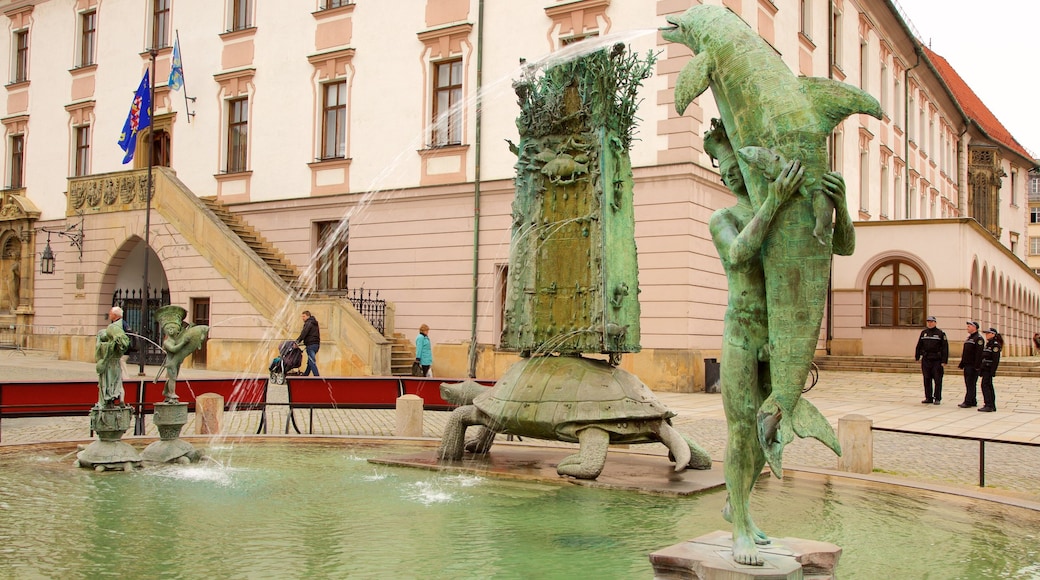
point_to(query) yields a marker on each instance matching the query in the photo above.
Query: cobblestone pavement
(889, 400)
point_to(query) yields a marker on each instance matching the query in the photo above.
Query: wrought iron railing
(370, 306)
(130, 301)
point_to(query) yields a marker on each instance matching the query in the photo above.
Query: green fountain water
(291, 509)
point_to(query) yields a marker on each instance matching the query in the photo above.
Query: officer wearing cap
(933, 351)
(988, 368)
(971, 360)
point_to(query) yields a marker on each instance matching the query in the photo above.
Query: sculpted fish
(763, 104)
(771, 163)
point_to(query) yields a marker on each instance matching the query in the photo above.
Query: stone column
(209, 414)
(857, 444)
(409, 416)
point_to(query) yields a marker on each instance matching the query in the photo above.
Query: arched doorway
(126, 291)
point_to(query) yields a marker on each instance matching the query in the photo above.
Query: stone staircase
(256, 242)
(402, 355)
(1011, 367)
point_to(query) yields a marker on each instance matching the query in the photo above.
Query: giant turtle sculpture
(567, 398)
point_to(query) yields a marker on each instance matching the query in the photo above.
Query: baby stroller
(288, 362)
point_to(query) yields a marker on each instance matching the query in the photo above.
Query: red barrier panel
(240, 394)
(347, 392)
(429, 388)
(54, 399)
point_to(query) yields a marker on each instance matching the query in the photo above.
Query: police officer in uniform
(933, 351)
(988, 368)
(971, 360)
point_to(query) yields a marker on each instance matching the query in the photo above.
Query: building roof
(973, 106)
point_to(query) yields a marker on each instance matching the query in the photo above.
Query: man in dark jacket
(971, 360)
(310, 337)
(988, 368)
(933, 351)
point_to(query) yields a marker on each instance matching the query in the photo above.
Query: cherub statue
(181, 340)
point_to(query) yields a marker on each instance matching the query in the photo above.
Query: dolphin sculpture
(763, 104)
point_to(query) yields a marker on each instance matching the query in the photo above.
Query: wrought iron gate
(130, 301)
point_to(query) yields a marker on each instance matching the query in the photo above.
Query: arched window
(896, 295)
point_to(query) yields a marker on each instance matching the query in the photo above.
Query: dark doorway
(130, 301)
(200, 315)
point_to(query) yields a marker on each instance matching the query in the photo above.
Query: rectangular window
(884, 189)
(82, 151)
(333, 246)
(864, 65)
(1034, 246)
(160, 23)
(447, 103)
(897, 94)
(17, 144)
(884, 87)
(334, 121)
(836, 38)
(241, 14)
(328, 4)
(87, 37)
(238, 135)
(21, 56)
(805, 18)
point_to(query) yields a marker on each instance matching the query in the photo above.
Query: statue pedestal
(710, 557)
(109, 452)
(170, 418)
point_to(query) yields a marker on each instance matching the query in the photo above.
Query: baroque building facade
(319, 146)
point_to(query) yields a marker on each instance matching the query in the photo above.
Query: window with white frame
(87, 37)
(330, 4)
(20, 53)
(864, 176)
(81, 166)
(884, 86)
(332, 255)
(884, 187)
(836, 36)
(1034, 188)
(240, 15)
(447, 103)
(805, 18)
(238, 135)
(897, 96)
(864, 64)
(16, 165)
(1034, 246)
(160, 23)
(334, 120)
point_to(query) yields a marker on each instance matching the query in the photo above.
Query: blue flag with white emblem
(138, 120)
(176, 70)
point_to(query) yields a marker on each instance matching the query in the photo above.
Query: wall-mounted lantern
(74, 232)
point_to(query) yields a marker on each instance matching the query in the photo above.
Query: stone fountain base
(710, 557)
(109, 452)
(170, 418)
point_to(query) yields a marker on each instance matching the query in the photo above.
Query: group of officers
(980, 357)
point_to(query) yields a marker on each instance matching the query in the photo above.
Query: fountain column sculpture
(110, 417)
(171, 415)
(573, 278)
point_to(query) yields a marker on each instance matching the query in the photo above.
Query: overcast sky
(994, 46)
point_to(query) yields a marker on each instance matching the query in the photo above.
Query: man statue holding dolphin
(775, 243)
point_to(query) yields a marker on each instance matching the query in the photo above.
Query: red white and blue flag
(138, 120)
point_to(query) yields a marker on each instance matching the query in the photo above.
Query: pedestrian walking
(310, 338)
(971, 360)
(933, 351)
(1036, 343)
(423, 350)
(988, 368)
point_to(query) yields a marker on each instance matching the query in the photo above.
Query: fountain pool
(293, 508)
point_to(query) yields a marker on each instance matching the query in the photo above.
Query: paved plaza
(890, 400)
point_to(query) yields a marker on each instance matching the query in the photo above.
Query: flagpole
(142, 349)
(184, 82)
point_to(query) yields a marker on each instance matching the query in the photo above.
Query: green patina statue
(180, 342)
(778, 125)
(573, 278)
(109, 346)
